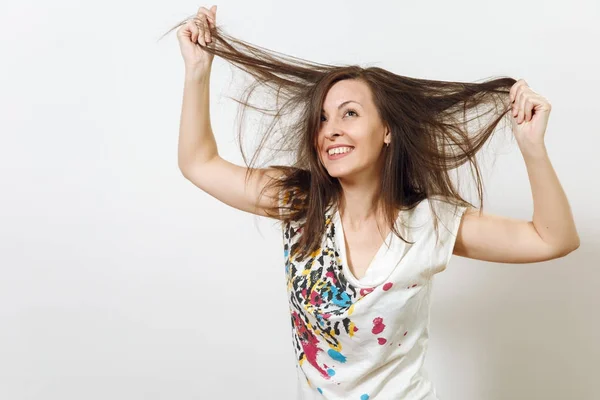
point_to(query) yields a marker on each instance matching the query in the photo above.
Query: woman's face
(349, 118)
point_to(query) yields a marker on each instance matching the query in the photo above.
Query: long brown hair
(428, 119)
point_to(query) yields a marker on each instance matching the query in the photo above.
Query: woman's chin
(337, 172)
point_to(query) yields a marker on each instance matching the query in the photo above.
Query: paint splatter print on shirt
(366, 338)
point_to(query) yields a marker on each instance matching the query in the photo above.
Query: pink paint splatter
(315, 298)
(309, 342)
(365, 291)
(381, 341)
(331, 275)
(378, 326)
(387, 286)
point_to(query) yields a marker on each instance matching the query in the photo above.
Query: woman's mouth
(339, 152)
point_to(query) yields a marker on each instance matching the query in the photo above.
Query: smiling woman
(362, 201)
(355, 134)
(406, 135)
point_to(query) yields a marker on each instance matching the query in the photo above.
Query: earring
(387, 144)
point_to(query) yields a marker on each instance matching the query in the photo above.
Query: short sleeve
(450, 217)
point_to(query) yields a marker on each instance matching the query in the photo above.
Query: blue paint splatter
(340, 299)
(331, 372)
(320, 320)
(320, 391)
(364, 397)
(336, 355)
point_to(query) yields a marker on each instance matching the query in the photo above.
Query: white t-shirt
(367, 339)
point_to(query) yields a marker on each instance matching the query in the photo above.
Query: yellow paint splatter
(351, 328)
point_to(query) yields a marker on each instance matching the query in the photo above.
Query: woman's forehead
(346, 90)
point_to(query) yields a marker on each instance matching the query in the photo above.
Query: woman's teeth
(339, 150)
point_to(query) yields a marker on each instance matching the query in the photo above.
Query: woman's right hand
(196, 32)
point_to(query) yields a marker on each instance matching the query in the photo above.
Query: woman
(363, 201)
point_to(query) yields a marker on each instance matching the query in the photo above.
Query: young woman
(368, 208)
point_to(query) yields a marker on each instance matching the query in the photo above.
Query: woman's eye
(348, 111)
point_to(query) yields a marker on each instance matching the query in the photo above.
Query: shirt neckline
(372, 276)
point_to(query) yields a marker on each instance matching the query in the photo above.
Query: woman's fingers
(199, 23)
(206, 31)
(193, 29)
(209, 15)
(213, 12)
(205, 18)
(199, 32)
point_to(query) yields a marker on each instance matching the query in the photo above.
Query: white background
(121, 280)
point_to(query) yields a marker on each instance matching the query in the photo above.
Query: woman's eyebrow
(346, 102)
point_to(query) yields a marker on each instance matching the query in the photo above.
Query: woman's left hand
(530, 113)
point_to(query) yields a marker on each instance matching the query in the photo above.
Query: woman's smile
(344, 152)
